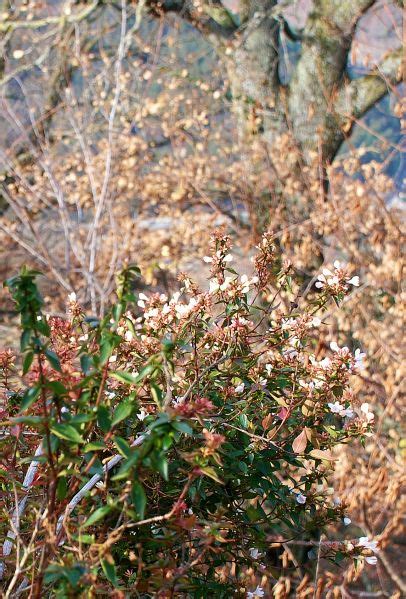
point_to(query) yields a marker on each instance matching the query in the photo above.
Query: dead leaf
(299, 444)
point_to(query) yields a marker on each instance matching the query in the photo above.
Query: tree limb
(213, 18)
(358, 96)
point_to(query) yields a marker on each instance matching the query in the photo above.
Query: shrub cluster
(177, 441)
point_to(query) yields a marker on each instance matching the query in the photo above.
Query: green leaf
(182, 427)
(103, 419)
(130, 379)
(94, 446)
(25, 339)
(122, 412)
(105, 351)
(122, 446)
(57, 387)
(109, 569)
(125, 377)
(53, 359)
(98, 515)
(29, 397)
(162, 466)
(86, 363)
(67, 432)
(139, 498)
(29, 356)
(61, 488)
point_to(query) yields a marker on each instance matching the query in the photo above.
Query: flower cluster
(337, 281)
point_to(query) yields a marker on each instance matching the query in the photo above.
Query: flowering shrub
(178, 442)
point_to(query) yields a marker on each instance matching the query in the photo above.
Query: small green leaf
(125, 377)
(122, 412)
(53, 359)
(97, 515)
(61, 488)
(86, 363)
(29, 356)
(57, 387)
(122, 446)
(103, 419)
(29, 397)
(109, 569)
(182, 427)
(139, 498)
(94, 446)
(67, 432)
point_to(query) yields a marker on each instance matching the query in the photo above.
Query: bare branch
(38, 23)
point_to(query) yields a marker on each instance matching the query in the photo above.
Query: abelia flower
(255, 553)
(239, 388)
(367, 544)
(354, 281)
(259, 592)
(337, 408)
(300, 498)
(359, 359)
(367, 413)
(142, 414)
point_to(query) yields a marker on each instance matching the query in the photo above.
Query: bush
(178, 442)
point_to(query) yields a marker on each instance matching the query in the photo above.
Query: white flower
(228, 258)
(213, 286)
(371, 559)
(316, 322)
(268, 368)
(84, 337)
(100, 485)
(367, 544)
(354, 281)
(367, 412)
(239, 388)
(335, 407)
(337, 264)
(359, 359)
(207, 259)
(128, 336)
(288, 323)
(259, 592)
(226, 283)
(178, 401)
(142, 414)
(113, 358)
(142, 298)
(301, 498)
(347, 521)
(255, 553)
(110, 394)
(325, 363)
(72, 297)
(347, 412)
